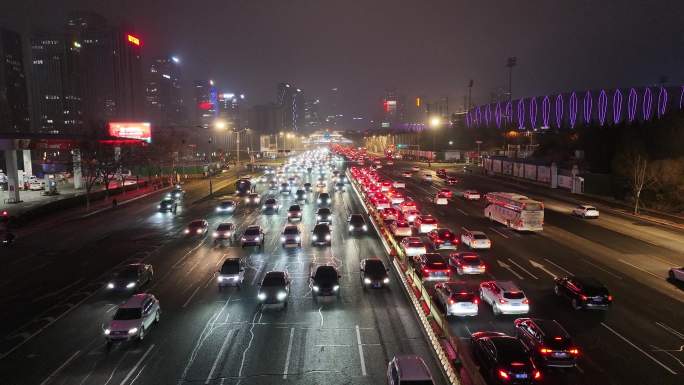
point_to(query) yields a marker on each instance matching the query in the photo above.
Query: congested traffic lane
(206, 336)
(640, 330)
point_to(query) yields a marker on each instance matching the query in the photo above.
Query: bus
(516, 211)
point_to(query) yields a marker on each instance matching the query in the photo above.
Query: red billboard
(131, 130)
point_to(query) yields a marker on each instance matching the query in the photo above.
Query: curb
(123, 203)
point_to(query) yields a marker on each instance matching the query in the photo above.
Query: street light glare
(220, 125)
(175, 59)
(435, 122)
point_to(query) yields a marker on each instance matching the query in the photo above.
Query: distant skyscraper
(14, 111)
(291, 99)
(229, 108)
(312, 119)
(206, 102)
(163, 93)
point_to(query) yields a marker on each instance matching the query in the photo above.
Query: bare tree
(635, 165)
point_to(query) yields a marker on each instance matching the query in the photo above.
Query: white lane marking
(671, 330)
(258, 272)
(640, 268)
(59, 369)
(182, 259)
(249, 345)
(638, 348)
(522, 268)
(219, 355)
(602, 269)
(499, 232)
(137, 364)
(509, 268)
(558, 266)
(542, 268)
(289, 352)
(363, 360)
(461, 211)
(191, 296)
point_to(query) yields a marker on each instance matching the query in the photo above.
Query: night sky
(417, 47)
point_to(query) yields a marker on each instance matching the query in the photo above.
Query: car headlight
(218, 209)
(367, 281)
(336, 287)
(281, 295)
(130, 285)
(282, 239)
(328, 201)
(215, 234)
(318, 201)
(199, 231)
(315, 288)
(219, 278)
(314, 237)
(158, 206)
(246, 200)
(327, 237)
(263, 207)
(351, 227)
(261, 296)
(298, 238)
(132, 331)
(257, 239)
(364, 227)
(110, 285)
(186, 231)
(318, 217)
(386, 280)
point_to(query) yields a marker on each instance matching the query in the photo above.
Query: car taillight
(583, 297)
(503, 374)
(545, 350)
(537, 375)
(574, 351)
(502, 301)
(426, 270)
(451, 301)
(610, 298)
(482, 267)
(476, 301)
(526, 301)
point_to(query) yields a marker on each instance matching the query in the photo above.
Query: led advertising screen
(131, 130)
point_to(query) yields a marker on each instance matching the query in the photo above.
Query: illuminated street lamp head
(220, 125)
(175, 59)
(435, 122)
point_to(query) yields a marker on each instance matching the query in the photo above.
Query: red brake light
(574, 351)
(537, 375)
(558, 338)
(502, 301)
(545, 350)
(451, 301)
(517, 364)
(426, 270)
(503, 374)
(583, 297)
(476, 301)
(610, 298)
(526, 301)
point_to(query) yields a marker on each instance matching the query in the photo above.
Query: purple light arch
(631, 104)
(602, 107)
(559, 110)
(533, 112)
(497, 114)
(521, 114)
(573, 109)
(509, 113)
(647, 104)
(662, 102)
(617, 106)
(588, 104)
(467, 119)
(681, 99)
(478, 116)
(546, 110)
(488, 114)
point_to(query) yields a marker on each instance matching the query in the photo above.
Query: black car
(547, 341)
(321, 235)
(583, 292)
(274, 288)
(253, 199)
(357, 223)
(323, 215)
(324, 199)
(339, 186)
(307, 186)
(325, 281)
(374, 273)
(503, 359)
(168, 204)
(131, 277)
(294, 213)
(300, 195)
(175, 194)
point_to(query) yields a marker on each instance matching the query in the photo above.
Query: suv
(274, 288)
(424, 223)
(408, 370)
(457, 298)
(583, 292)
(547, 342)
(131, 277)
(504, 297)
(271, 204)
(321, 235)
(357, 223)
(503, 359)
(432, 267)
(133, 318)
(231, 274)
(294, 213)
(323, 215)
(325, 280)
(291, 236)
(374, 273)
(324, 199)
(443, 238)
(253, 236)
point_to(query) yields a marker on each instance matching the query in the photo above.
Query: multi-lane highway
(637, 341)
(204, 336)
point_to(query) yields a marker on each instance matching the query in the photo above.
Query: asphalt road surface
(205, 336)
(637, 341)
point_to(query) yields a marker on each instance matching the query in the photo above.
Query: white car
(585, 211)
(397, 199)
(401, 229)
(133, 318)
(291, 236)
(471, 195)
(440, 199)
(475, 239)
(676, 274)
(504, 297)
(399, 185)
(413, 246)
(35, 184)
(457, 298)
(411, 215)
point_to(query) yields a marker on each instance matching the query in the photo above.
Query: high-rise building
(55, 84)
(14, 110)
(206, 102)
(163, 93)
(266, 119)
(393, 108)
(229, 109)
(128, 87)
(291, 99)
(312, 118)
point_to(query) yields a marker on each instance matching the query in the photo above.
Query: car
(431, 267)
(441, 199)
(415, 168)
(503, 359)
(382, 203)
(270, 206)
(321, 234)
(294, 213)
(225, 231)
(253, 199)
(583, 292)
(413, 246)
(585, 211)
(547, 342)
(324, 280)
(321, 186)
(323, 214)
(176, 194)
(307, 186)
(676, 274)
(291, 236)
(446, 192)
(424, 223)
(285, 188)
(408, 205)
(407, 174)
(408, 369)
(411, 215)
(301, 195)
(401, 229)
(131, 277)
(356, 223)
(451, 180)
(374, 274)
(323, 199)
(457, 298)
(168, 204)
(504, 297)
(442, 238)
(226, 207)
(274, 289)
(390, 214)
(385, 186)
(133, 319)
(426, 178)
(399, 184)
(471, 195)
(273, 185)
(253, 236)
(475, 239)
(389, 163)
(395, 197)
(467, 263)
(197, 227)
(232, 273)
(442, 173)
(339, 186)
